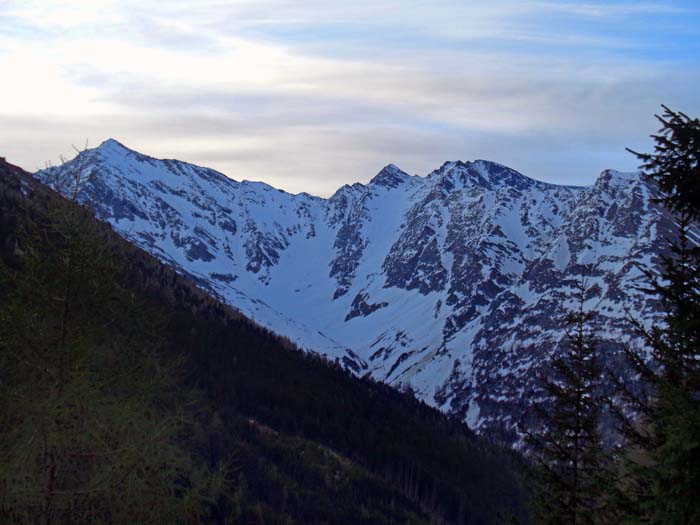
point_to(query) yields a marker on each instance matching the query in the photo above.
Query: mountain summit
(455, 284)
(390, 176)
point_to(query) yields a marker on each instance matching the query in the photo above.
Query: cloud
(308, 96)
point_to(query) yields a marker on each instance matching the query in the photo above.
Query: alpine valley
(454, 285)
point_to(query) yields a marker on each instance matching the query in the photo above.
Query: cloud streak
(308, 96)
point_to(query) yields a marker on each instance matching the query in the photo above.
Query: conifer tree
(571, 466)
(661, 482)
(93, 425)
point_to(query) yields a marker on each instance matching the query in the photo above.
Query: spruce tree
(570, 470)
(661, 421)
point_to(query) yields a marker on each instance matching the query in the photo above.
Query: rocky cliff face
(455, 284)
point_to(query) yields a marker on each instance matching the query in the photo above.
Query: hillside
(305, 441)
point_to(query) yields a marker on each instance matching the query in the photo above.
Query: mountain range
(454, 285)
(298, 440)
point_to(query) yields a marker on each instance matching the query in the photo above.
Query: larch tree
(94, 426)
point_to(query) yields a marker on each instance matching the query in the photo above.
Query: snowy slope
(454, 283)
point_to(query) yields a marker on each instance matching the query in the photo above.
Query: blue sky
(310, 95)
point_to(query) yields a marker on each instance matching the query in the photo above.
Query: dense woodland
(128, 395)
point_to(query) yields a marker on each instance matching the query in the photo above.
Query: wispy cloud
(310, 95)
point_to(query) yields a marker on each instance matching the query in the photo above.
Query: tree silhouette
(661, 475)
(570, 462)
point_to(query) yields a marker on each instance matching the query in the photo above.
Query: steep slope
(452, 284)
(307, 442)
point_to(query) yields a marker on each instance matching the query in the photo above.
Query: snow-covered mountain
(455, 284)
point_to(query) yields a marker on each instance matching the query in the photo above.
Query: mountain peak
(111, 144)
(446, 166)
(390, 176)
(620, 177)
(112, 148)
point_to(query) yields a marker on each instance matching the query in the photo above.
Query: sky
(308, 96)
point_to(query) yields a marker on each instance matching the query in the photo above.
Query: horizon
(349, 183)
(308, 97)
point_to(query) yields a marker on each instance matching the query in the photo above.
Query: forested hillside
(273, 435)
